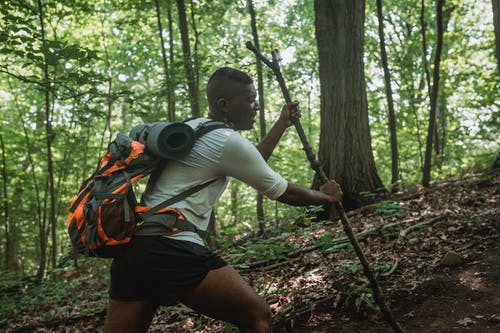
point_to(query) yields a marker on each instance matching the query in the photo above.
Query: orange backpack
(104, 214)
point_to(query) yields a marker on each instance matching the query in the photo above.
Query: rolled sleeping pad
(165, 140)
(139, 132)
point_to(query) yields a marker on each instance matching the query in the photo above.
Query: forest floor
(435, 251)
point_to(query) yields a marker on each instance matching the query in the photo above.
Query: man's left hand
(290, 113)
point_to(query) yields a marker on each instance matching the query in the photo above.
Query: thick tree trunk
(496, 23)
(433, 96)
(188, 63)
(390, 102)
(262, 118)
(345, 148)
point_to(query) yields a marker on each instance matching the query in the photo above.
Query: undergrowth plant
(60, 291)
(391, 209)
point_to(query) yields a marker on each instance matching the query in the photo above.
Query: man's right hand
(333, 190)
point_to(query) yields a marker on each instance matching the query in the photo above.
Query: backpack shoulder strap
(209, 126)
(176, 198)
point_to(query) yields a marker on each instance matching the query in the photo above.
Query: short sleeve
(241, 160)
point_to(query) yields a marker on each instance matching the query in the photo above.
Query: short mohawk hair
(232, 74)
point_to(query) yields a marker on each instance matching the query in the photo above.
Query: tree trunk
(12, 262)
(171, 81)
(433, 96)
(390, 102)
(212, 231)
(345, 148)
(171, 116)
(496, 23)
(5, 203)
(234, 205)
(109, 96)
(441, 105)
(196, 35)
(262, 118)
(188, 63)
(49, 136)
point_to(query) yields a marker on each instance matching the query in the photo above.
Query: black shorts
(160, 269)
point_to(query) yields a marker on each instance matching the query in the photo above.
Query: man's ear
(221, 104)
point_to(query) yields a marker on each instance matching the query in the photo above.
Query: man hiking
(168, 268)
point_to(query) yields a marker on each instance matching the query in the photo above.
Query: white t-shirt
(219, 154)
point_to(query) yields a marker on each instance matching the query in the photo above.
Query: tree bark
(390, 103)
(441, 104)
(188, 63)
(262, 118)
(433, 96)
(496, 23)
(345, 143)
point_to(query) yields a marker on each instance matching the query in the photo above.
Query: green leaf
(51, 59)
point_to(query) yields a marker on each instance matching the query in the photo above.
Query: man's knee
(266, 318)
(261, 318)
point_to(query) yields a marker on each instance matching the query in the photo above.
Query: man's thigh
(225, 295)
(128, 316)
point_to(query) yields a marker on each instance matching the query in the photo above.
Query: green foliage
(63, 291)
(391, 209)
(469, 82)
(352, 268)
(230, 328)
(381, 267)
(325, 242)
(365, 298)
(362, 297)
(262, 249)
(105, 74)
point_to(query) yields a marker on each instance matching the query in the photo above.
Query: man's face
(242, 106)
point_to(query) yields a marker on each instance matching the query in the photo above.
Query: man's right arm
(242, 161)
(297, 195)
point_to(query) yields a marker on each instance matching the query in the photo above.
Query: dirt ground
(462, 299)
(427, 293)
(435, 251)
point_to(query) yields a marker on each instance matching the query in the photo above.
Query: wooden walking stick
(378, 296)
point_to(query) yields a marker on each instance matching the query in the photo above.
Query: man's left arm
(288, 112)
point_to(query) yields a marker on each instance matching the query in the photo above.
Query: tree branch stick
(377, 292)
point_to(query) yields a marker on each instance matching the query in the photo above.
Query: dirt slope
(436, 253)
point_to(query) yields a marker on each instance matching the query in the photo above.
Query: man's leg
(128, 316)
(224, 295)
